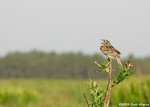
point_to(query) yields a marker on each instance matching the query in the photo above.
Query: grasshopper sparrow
(108, 50)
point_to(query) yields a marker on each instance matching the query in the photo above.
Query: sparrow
(111, 52)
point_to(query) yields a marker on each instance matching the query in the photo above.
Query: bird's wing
(114, 49)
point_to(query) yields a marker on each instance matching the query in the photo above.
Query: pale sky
(75, 25)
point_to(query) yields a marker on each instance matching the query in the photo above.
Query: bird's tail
(119, 60)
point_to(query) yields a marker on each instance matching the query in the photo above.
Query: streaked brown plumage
(108, 50)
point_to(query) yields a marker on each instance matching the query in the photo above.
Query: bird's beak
(102, 41)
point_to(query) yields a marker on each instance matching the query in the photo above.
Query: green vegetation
(17, 97)
(40, 89)
(98, 97)
(135, 90)
(67, 93)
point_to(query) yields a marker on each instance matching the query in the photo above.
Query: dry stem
(109, 87)
(86, 99)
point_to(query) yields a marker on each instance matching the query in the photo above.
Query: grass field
(67, 93)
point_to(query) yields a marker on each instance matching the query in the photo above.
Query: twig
(86, 100)
(109, 87)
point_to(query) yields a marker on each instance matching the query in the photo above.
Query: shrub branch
(95, 95)
(109, 87)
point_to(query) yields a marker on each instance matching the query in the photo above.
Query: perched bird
(108, 50)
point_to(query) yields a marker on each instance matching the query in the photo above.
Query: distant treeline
(36, 64)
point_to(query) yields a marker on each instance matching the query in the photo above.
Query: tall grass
(13, 97)
(67, 93)
(136, 90)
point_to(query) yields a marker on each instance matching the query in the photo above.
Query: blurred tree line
(37, 64)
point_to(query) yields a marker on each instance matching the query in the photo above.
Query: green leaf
(106, 62)
(122, 75)
(97, 64)
(120, 67)
(129, 73)
(104, 66)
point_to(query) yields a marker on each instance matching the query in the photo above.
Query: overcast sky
(75, 25)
